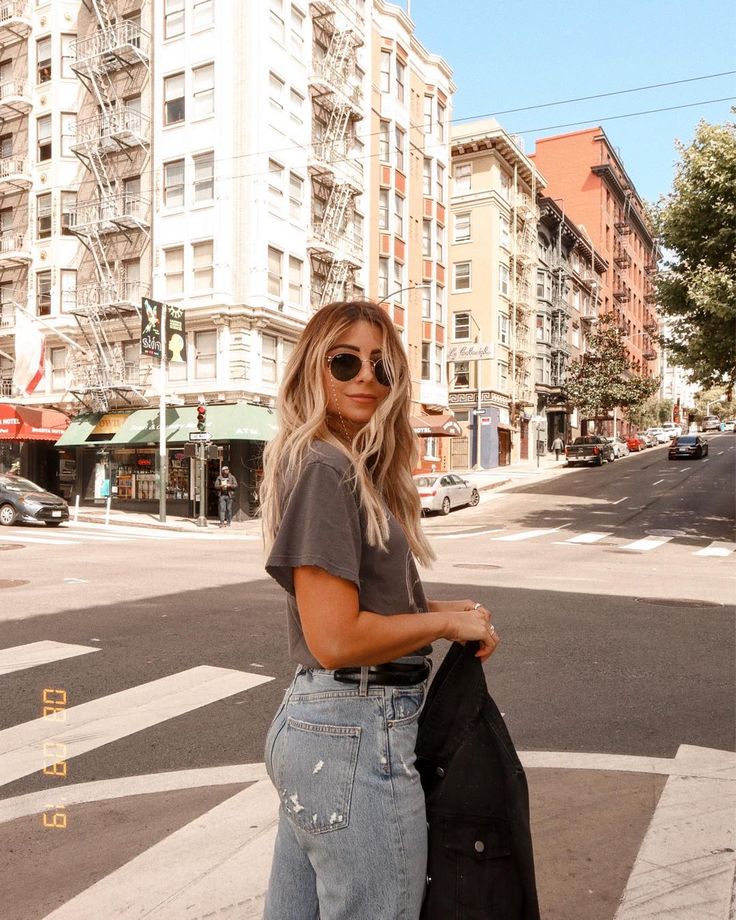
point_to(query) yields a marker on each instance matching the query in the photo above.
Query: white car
(672, 429)
(660, 434)
(444, 491)
(620, 447)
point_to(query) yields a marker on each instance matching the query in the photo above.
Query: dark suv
(22, 500)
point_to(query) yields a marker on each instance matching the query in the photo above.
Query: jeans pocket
(406, 705)
(275, 731)
(315, 771)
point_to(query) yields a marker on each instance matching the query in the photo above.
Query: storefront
(486, 427)
(116, 456)
(430, 428)
(27, 438)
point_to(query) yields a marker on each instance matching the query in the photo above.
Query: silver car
(444, 491)
(620, 447)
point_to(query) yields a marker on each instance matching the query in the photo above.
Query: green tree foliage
(651, 413)
(696, 291)
(602, 378)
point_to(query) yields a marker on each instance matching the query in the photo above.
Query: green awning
(239, 422)
(80, 428)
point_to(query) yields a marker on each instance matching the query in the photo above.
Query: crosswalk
(645, 544)
(82, 532)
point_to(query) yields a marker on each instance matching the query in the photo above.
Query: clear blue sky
(513, 54)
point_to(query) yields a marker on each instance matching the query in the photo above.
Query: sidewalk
(515, 473)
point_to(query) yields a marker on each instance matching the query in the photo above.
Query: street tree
(652, 413)
(696, 289)
(602, 378)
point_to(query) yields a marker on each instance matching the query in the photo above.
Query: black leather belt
(393, 673)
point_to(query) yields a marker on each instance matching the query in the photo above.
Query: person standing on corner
(558, 445)
(225, 485)
(341, 523)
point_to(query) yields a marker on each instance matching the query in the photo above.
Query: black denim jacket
(481, 862)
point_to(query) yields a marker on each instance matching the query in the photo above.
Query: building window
(68, 212)
(426, 303)
(68, 133)
(427, 177)
(439, 363)
(297, 31)
(68, 56)
(440, 184)
(275, 186)
(439, 248)
(296, 273)
(427, 239)
(132, 364)
(441, 114)
(204, 91)
(504, 231)
(385, 77)
(400, 145)
(462, 227)
(43, 60)
(384, 143)
(461, 276)
(427, 120)
(400, 79)
(296, 195)
(463, 176)
(576, 336)
(6, 146)
(44, 149)
(503, 375)
(540, 285)
(174, 271)
(461, 328)
(174, 184)
(439, 316)
(203, 14)
(503, 329)
(43, 216)
(277, 28)
(205, 355)
(269, 352)
(382, 278)
(68, 289)
(398, 288)
(383, 209)
(461, 374)
(203, 264)
(43, 293)
(426, 360)
(296, 107)
(503, 279)
(57, 362)
(275, 266)
(398, 215)
(174, 101)
(173, 18)
(276, 92)
(204, 177)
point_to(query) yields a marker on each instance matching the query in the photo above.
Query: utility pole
(162, 421)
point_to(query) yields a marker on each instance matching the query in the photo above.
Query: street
(163, 659)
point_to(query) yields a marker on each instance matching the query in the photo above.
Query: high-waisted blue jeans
(352, 834)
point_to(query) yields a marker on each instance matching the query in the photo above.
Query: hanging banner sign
(176, 335)
(151, 313)
(152, 316)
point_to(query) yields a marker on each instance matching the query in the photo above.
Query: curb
(178, 528)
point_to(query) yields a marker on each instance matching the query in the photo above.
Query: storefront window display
(130, 474)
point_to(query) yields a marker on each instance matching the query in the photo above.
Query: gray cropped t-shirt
(322, 525)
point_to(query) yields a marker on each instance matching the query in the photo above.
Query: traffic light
(201, 418)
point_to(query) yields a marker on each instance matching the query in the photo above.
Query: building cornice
(500, 143)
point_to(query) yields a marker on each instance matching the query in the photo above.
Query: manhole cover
(475, 565)
(674, 602)
(12, 582)
(4, 546)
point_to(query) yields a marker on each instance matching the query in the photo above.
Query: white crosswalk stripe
(716, 548)
(527, 535)
(33, 654)
(592, 537)
(646, 544)
(81, 532)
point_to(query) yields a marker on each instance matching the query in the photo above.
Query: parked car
(729, 425)
(711, 423)
(649, 439)
(688, 445)
(444, 491)
(672, 428)
(590, 448)
(636, 442)
(620, 446)
(24, 501)
(659, 434)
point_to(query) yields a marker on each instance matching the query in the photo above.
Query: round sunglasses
(346, 366)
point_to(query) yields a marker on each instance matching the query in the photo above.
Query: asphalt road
(611, 646)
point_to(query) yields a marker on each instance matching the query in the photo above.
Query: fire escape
(525, 219)
(560, 352)
(117, 45)
(336, 243)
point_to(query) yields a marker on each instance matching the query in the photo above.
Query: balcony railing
(131, 212)
(15, 172)
(122, 127)
(111, 49)
(14, 247)
(332, 80)
(15, 19)
(622, 294)
(347, 242)
(337, 159)
(346, 8)
(108, 296)
(15, 98)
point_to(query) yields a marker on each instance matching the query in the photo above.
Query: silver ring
(491, 629)
(477, 606)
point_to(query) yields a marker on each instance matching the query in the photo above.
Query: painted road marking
(461, 536)
(716, 548)
(527, 534)
(646, 544)
(47, 541)
(117, 715)
(20, 657)
(620, 500)
(657, 482)
(592, 537)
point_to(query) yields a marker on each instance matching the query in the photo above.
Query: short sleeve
(320, 526)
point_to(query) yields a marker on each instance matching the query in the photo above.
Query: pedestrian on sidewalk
(341, 521)
(558, 445)
(225, 485)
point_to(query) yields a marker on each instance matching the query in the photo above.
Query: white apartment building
(223, 157)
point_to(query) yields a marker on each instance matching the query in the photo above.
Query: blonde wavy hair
(383, 453)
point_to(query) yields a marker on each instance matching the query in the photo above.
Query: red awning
(24, 423)
(436, 426)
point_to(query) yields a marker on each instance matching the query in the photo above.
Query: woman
(341, 519)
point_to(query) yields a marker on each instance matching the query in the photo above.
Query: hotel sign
(473, 351)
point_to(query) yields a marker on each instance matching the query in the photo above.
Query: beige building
(493, 253)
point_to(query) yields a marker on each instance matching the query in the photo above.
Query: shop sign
(152, 315)
(144, 463)
(151, 327)
(485, 420)
(473, 351)
(110, 423)
(176, 335)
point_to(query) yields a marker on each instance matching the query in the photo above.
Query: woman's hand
(472, 623)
